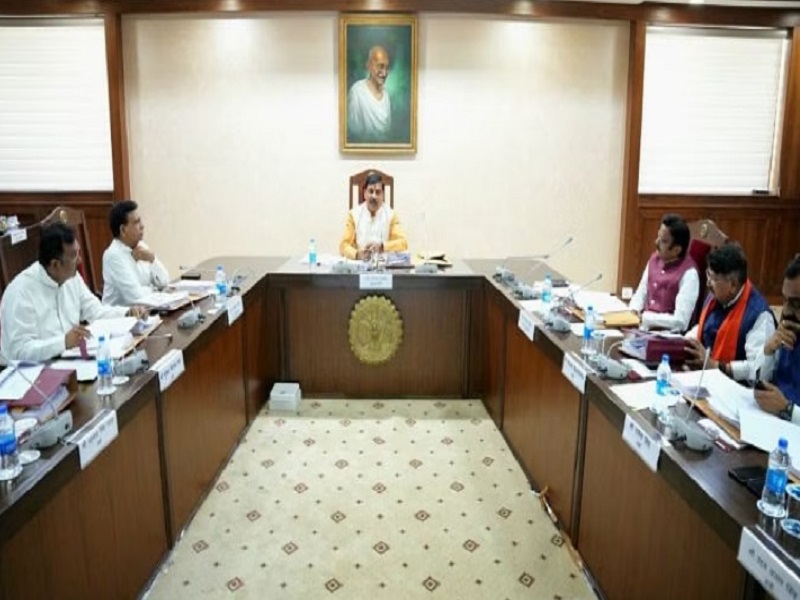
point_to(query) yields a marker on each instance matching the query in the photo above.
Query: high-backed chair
(356, 195)
(18, 254)
(75, 218)
(705, 236)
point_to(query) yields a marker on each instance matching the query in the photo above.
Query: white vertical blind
(713, 100)
(54, 114)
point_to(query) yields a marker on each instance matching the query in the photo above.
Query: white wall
(233, 136)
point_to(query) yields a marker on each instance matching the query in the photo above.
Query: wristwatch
(786, 413)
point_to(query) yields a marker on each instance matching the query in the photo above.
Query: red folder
(49, 383)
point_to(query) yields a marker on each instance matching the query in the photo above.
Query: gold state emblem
(376, 330)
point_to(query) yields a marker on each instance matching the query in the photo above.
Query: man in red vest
(667, 293)
(735, 321)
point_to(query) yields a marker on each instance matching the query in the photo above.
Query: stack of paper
(165, 300)
(602, 302)
(725, 397)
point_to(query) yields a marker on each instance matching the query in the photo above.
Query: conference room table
(102, 531)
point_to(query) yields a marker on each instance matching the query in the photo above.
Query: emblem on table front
(375, 330)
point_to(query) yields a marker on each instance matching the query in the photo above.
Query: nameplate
(18, 235)
(526, 324)
(772, 573)
(375, 281)
(169, 367)
(235, 308)
(646, 446)
(95, 436)
(575, 370)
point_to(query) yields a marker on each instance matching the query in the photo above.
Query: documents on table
(119, 345)
(165, 300)
(85, 369)
(763, 430)
(111, 327)
(16, 380)
(607, 334)
(602, 302)
(193, 286)
(725, 397)
(642, 395)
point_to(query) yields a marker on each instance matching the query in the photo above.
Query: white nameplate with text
(646, 446)
(375, 281)
(96, 435)
(526, 324)
(169, 367)
(772, 573)
(18, 235)
(235, 308)
(575, 370)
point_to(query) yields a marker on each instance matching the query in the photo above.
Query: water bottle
(221, 281)
(773, 498)
(9, 456)
(312, 254)
(547, 294)
(105, 386)
(588, 348)
(663, 376)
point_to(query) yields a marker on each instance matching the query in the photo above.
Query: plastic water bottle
(547, 294)
(312, 254)
(588, 348)
(663, 376)
(9, 455)
(773, 498)
(221, 281)
(105, 386)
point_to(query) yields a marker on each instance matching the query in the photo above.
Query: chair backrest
(17, 254)
(75, 218)
(705, 236)
(356, 193)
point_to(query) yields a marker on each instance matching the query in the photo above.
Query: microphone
(689, 432)
(507, 277)
(609, 367)
(571, 297)
(524, 291)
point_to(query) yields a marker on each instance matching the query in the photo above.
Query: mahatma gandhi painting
(378, 83)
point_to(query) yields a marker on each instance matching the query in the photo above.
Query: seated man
(131, 270)
(781, 361)
(735, 321)
(371, 226)
(43, 307)
(667, 293)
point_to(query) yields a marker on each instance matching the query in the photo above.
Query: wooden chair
(357, 187)
(75, 218)
(16, 255)
(705, 236)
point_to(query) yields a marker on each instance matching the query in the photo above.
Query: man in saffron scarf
(736, 320)
(781, 361)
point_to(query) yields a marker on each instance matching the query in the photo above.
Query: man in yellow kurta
(372, 226)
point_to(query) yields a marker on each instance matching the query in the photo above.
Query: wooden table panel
(204, 413)
(639, 538)
(540, 419)
(431, 360)
(103, 533)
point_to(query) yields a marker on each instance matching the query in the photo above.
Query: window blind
(711, 110)
(54, 106)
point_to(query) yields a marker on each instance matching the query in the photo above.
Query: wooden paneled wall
(768, 227)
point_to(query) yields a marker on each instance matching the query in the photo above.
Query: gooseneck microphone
(525, 291)
(580, 288)
(507, 277)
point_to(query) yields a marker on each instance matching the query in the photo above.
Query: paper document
(643, 395)
(120, 346)
(726, 397)
(639, 368)
(193, 286)
(602, 302)
(111, 327)
(165, 300)
(16, 380)
(763, 431)
(85, 369)
(606, 334)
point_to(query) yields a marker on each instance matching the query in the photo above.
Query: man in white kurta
(372, 227)
(131, 271)
(43, 307)
(369, 110)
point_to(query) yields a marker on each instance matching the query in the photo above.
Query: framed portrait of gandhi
(377, 83)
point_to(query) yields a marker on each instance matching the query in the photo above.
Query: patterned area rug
(372, 499)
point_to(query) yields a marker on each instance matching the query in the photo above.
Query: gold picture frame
(377, 83)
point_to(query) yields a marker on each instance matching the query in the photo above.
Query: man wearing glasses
(667, 293)
(781, 360)
(43, 307)
(736, 319)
